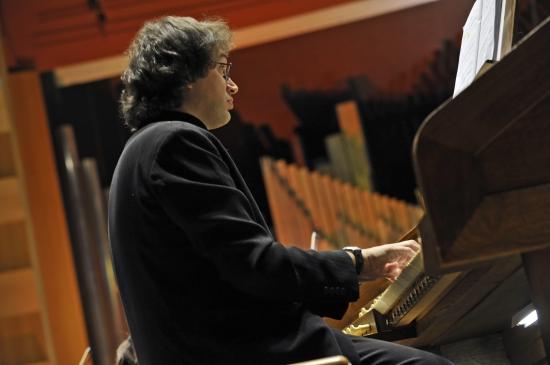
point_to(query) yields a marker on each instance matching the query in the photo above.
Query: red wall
(381, 47)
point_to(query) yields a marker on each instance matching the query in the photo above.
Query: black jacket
(201, 277)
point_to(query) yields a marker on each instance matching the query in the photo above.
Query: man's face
(211, 97)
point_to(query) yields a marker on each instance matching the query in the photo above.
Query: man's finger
(413, 245)
(392, 270)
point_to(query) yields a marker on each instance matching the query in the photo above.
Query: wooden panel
(11, 207)
(14, 249)
(19, 293)
(7, 165)
(459, 181)
(4, 125)
(4, 104)
(21, 340)
(50, 243)
(471, 170)
(521, 143)
(493, 314)
(536, 267)
(464, 297)
(517, 220)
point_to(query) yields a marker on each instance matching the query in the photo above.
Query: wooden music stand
(482, 162)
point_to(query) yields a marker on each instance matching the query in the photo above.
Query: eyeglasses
(226, 67)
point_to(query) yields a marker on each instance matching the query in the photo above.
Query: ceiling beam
(252, 35)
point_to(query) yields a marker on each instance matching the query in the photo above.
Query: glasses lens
(227, 70)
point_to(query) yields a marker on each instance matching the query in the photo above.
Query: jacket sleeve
(194, 187)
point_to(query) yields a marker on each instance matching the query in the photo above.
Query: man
(201, 277)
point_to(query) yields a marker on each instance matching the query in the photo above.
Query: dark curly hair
(166, 55)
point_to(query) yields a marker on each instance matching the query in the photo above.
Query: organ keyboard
(412, 294)
(421, 309)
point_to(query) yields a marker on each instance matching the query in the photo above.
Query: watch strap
(359, 261)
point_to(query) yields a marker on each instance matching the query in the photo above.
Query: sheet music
(498, 30)
(467, 62)
(481, 39)
(487, 33)
(506, 28)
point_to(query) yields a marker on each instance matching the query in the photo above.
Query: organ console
(482, 166)
(482, 163)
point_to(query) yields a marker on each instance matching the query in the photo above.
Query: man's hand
(387, 261)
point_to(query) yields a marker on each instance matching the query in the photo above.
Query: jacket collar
(171, 115)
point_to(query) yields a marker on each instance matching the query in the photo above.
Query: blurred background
(334, 88)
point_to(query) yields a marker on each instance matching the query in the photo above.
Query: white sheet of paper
(467, 61)
(486, 33)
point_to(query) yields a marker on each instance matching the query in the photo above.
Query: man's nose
(232, 87)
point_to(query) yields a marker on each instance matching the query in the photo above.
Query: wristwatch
(357, 252)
